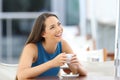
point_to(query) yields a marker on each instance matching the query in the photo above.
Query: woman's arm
(28, 56)
(74, 65)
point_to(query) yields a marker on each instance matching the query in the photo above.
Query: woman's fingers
(74, 59)
(62, 59)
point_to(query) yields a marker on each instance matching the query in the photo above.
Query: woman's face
(53, 30)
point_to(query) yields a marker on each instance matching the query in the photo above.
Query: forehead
(51, 20)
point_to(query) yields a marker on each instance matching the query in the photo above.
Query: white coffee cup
(69, 57)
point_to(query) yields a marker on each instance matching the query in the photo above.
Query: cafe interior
(91, 27)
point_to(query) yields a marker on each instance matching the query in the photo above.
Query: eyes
(59, 24)
(54, 26)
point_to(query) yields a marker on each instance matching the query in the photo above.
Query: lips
(58, 35)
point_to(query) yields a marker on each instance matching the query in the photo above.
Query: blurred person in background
(45, 50)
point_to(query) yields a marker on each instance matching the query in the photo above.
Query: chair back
(99, 55)
(8, 71)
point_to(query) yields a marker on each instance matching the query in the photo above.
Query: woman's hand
(74, 60)
(76, 67)
(74, 64)
(59, 60)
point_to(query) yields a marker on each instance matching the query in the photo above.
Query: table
(93, 77)
(96, 71)
(106, 68)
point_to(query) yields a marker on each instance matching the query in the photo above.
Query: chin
(58, 40)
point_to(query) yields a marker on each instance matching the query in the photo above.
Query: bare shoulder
(30, 46)
(30, 49)
(64, 42)
(65, 46)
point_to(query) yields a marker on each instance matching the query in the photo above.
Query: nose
(59, 28)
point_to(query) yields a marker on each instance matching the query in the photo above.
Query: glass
(66, 70)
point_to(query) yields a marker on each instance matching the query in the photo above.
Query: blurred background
(88, 24)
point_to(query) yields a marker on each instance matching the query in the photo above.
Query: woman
(45, 50)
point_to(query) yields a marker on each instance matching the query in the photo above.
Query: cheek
(61, 29)
(49, 33)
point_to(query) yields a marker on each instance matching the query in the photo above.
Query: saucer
(70, 75)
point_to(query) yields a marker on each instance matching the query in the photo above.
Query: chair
(8, 71)
(97, 55)
(93, 55)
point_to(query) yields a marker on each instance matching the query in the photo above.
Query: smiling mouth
(58, 35)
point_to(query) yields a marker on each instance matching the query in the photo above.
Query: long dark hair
(38, 28)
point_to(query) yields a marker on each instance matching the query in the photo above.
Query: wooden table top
(92, 77)
(96, 71)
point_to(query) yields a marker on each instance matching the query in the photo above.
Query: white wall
(105, 10)
(104, 13)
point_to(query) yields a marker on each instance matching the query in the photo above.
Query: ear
(43, 34)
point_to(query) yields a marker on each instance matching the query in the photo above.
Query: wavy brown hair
(38, 28)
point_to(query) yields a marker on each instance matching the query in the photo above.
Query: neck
(50, 47)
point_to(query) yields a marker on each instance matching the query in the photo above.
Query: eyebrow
(54, 24)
